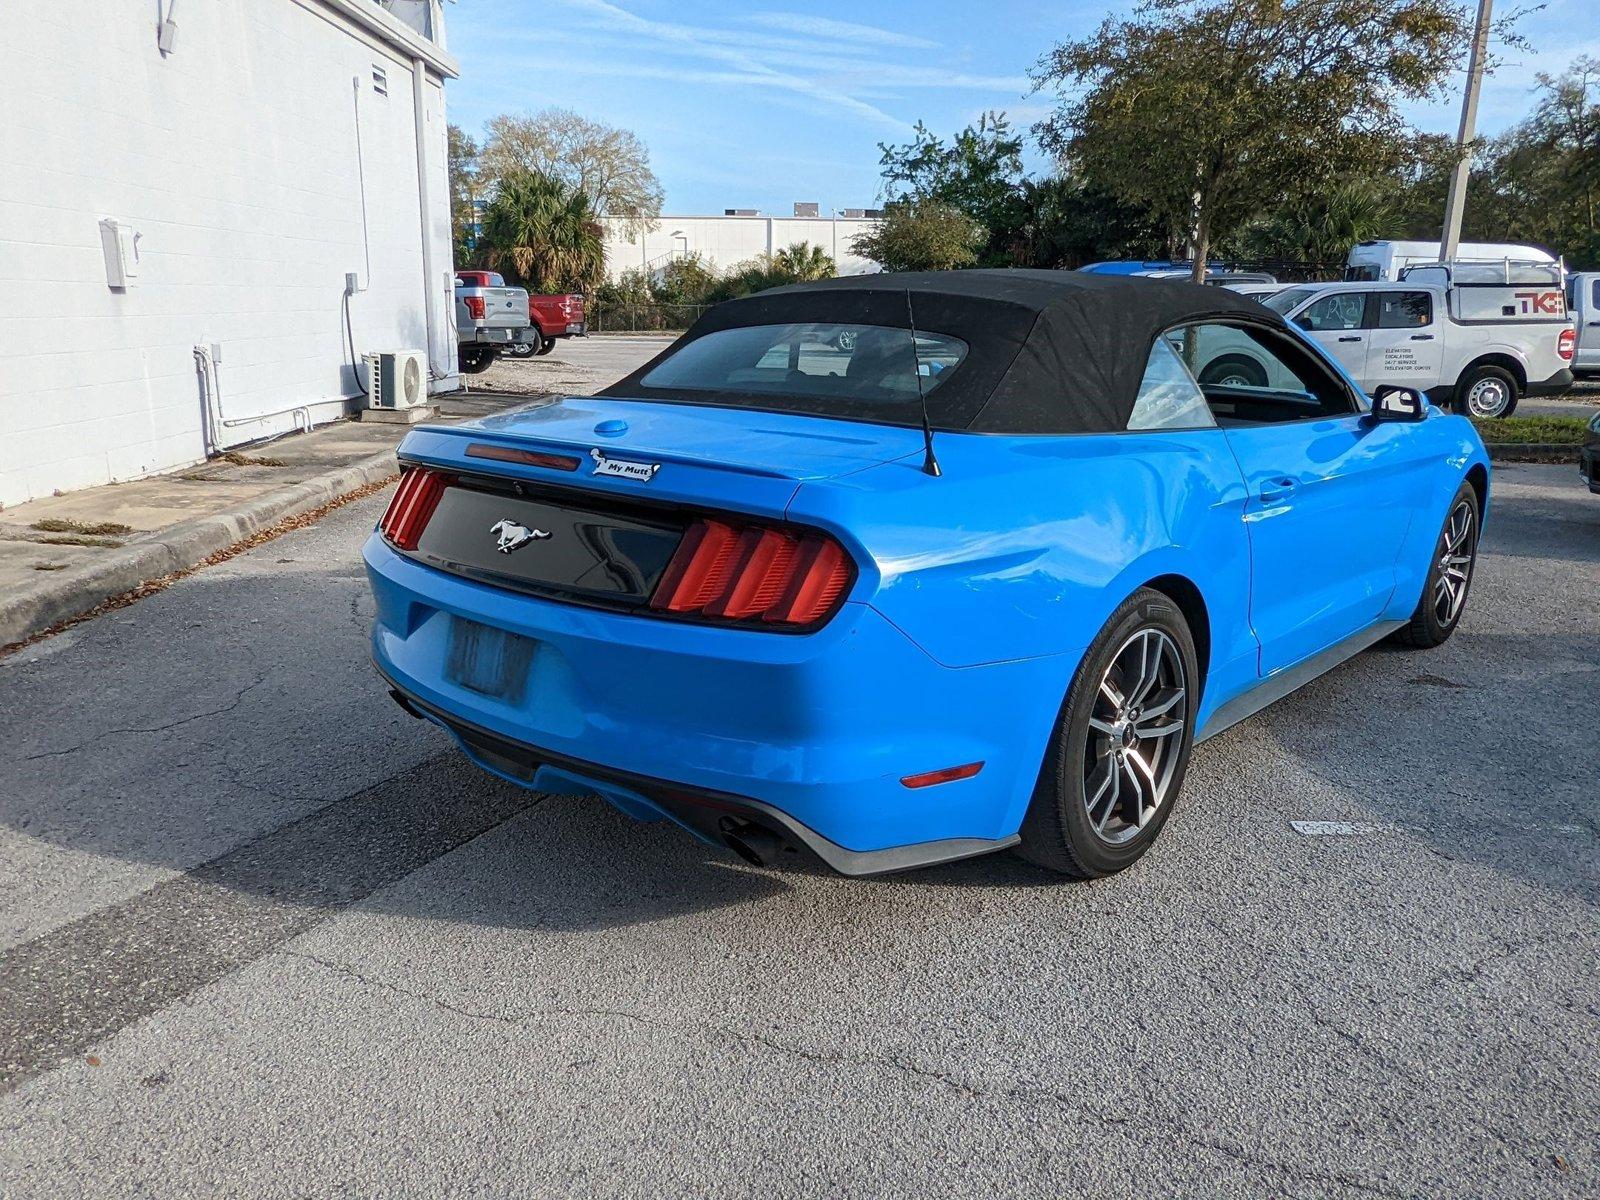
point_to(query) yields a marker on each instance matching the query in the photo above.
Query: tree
(922, 235)
(543, 235)
(464, 193)
(1203, 111)
(610, 166)
(1318, 227)
(803, 263)
(980, 173)
(1066, 223)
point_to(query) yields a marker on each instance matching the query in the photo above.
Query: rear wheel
(546, 345)
(1487, 391)
(1444, 595)
(1121, 745)
(475, 359)
(1234, 370)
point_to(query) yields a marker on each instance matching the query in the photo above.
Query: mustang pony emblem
(513, 536)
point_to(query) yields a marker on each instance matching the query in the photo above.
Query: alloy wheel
(1135, 736)
(1454, 566)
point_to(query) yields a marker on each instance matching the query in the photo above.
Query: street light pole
(1455, 205)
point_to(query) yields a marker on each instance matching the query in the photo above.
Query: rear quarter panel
(1025, 546)
(1449, 448)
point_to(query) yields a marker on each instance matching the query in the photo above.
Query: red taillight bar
(412, 507)
(1566, 344)
(474, 307)
(753, 572)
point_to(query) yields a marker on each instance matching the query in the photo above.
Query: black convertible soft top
(1049, 352)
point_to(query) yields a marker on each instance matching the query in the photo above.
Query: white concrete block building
(727, 240)
(193, 180)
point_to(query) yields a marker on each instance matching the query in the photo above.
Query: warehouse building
(210, 210)
(735, 236)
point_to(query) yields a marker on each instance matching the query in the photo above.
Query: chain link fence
(643, 318)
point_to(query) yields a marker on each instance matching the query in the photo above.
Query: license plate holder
(492, 662)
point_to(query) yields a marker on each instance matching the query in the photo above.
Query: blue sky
(762, 103)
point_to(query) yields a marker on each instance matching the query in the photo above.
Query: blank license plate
(489, 661)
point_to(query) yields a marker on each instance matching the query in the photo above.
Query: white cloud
(843, 31)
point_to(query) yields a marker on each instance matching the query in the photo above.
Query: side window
(1342, 310)
(1251, 375)
(1168, 396)
(1594, 293)
(1404, 310)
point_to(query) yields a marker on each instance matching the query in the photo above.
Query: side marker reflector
(948, 775)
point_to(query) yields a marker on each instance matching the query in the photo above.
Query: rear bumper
(807, 734)
(1589, 465)
(495, 337)
(1560, 382)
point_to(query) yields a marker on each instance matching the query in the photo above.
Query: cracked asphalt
(263, 935)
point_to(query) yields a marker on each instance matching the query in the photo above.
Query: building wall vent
(380, 80)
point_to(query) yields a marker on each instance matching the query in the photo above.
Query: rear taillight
(412, 507)
(474, 307)
(1566, 344)
(728, 572)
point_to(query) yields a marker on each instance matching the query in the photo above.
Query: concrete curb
(75, 591)
(1533, 452)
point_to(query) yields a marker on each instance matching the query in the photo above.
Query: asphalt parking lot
(264, 935)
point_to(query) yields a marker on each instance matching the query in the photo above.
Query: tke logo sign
(1541, 302)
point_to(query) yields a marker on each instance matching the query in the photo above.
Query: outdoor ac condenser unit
(397, 379)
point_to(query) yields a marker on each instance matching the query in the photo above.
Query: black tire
(1058, 831)
(1501, 381)
(476, 359)
(1434, 619)
(546, 345)
(521, 350)
(1239, 369)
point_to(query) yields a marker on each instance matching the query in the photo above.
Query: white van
(1479, 347)
(1383, 260)
(1583, 301)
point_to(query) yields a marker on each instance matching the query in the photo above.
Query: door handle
(1422, 337)
(1349, 339)
(1276, 489)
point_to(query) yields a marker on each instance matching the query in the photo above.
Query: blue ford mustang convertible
(898, 569)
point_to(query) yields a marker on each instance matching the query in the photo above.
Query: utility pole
(1455, 205)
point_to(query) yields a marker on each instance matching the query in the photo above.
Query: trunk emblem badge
(621, 468)
(513, 536)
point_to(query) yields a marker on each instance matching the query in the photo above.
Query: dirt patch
(87, 528)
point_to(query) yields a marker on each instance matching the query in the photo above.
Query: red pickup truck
(552, 316)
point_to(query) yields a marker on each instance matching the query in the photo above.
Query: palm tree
(803, 263)
(543, 234)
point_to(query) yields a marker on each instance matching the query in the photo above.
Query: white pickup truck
(1583, 301)
(1477, 346)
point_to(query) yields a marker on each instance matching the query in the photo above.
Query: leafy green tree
(462, 158)
(1066, 223)
(922, 235)
(979, 172)
(1318, 227)
(1201, 112)
(543, 234)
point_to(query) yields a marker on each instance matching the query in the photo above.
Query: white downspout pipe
(419, 114)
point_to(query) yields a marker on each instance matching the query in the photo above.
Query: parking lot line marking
(81, 983)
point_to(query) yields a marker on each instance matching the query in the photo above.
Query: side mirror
(1399, 404)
